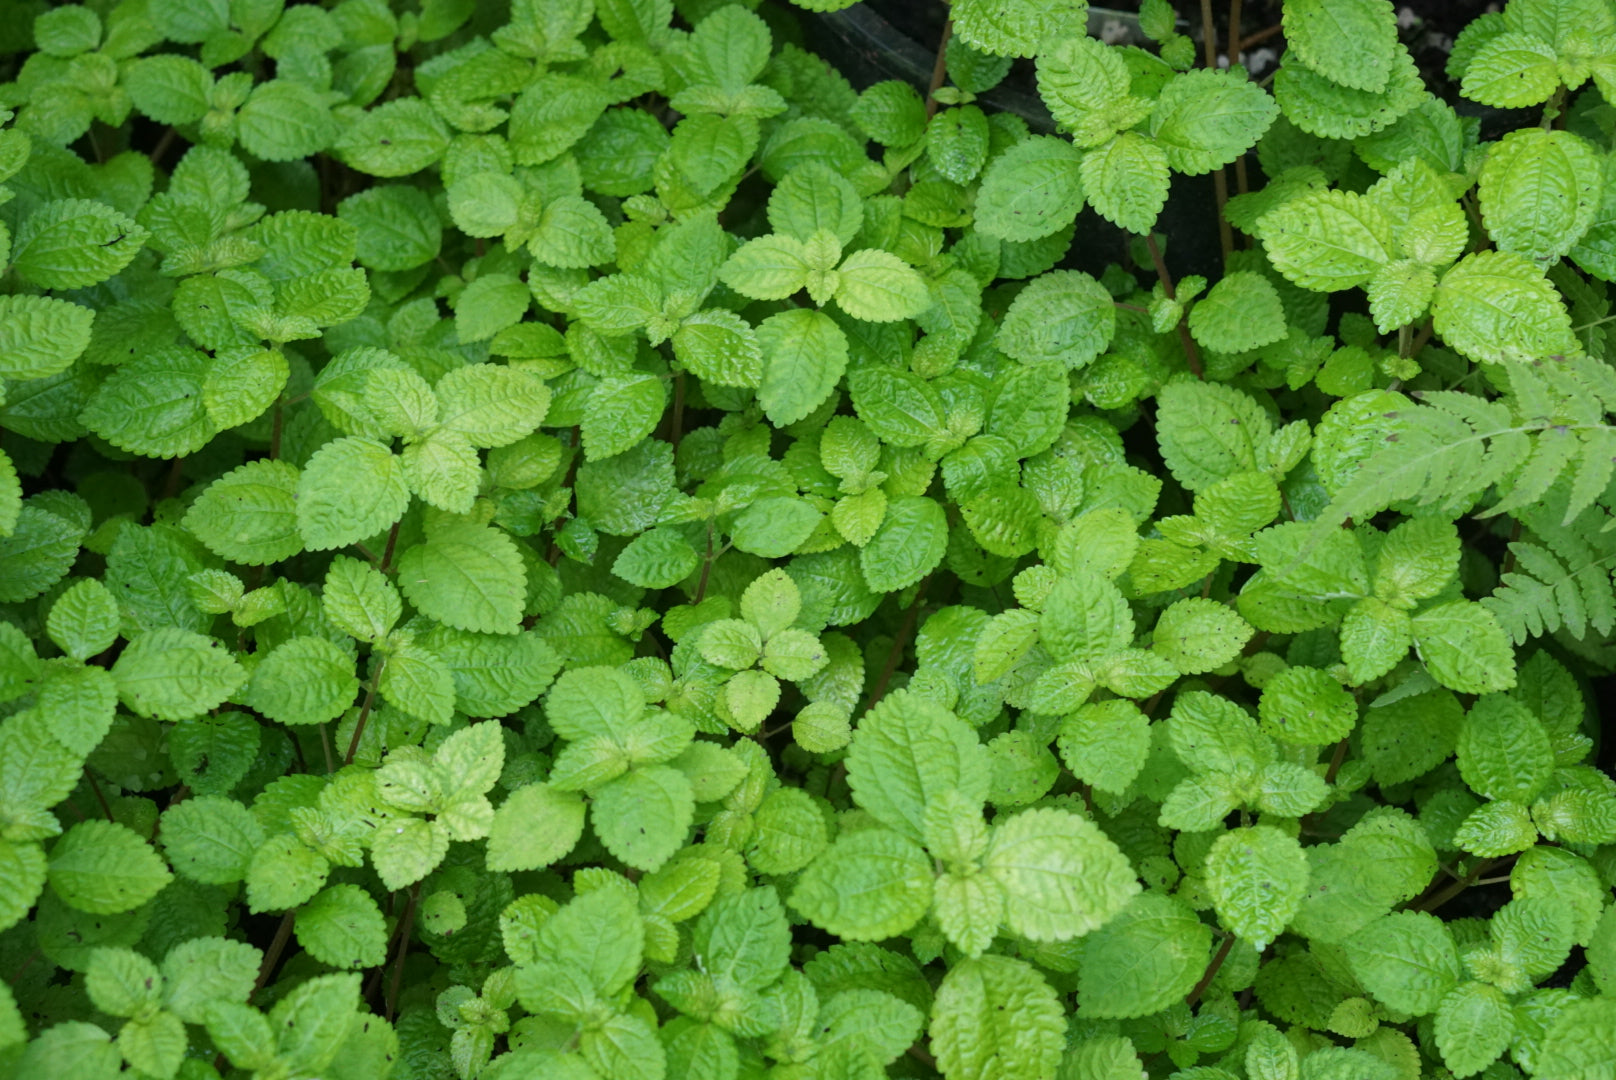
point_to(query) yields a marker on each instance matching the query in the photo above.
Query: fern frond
(1562, 578)
(1446, 451)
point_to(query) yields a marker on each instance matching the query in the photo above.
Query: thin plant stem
(403, 951)
(1211, 970)
(163, 144)
(325, 747)
(276, 947)
(392, 544)
(364, 713)
(1235, 41)
(99, 796)
(1220, 179)
(1421, 338)
(1262, 35)
(706, 567)
(1209, 35)
(939, 69)
(1336, 761)
(895, 653)
(677, 420)
(1192, 355)
(1220, 188)
(277, 424)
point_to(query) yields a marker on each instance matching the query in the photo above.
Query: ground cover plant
(564, 541)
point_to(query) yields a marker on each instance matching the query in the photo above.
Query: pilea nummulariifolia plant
(561, 540)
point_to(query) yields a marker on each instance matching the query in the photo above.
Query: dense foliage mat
(562, 541)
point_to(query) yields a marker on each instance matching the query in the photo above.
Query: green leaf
(1331, 110)
(1241, 312)
(744, 939)
(1209, 432)
(1085, 618)
(153, 405)
(351, 489)
(1580, 1042)
(359, 600)
(1064, 316)
(249, 515)
(1213, 734)
(169, 88)
(891, 113)
(307, 680)
(40, 336)
(814, 196)
(397, 227)
(1030, 191)
(1085, 83)
(1473, 1027)
(407, 850)
(621, 411)
(1417, 560)
(535, 826)
(720, 347)
(491, 404)
(489, 304)
(995, 1018)
(1126, 181)
(1511, 71)
(1062, 877)
(1199, 635)
(1328, 240)
(284, 120)
(1464, 648)
(1539, 192)
(1374, 638)
(790, 830)
(642, 817)
(73, 243)
(22, 880)
(343, 927)
(1495, 829)
(1106, 744)
(877, 286)
(1503, 751)
(908, 545)
(284, 873)
(84, 619)
(105, 868)
(467, 576)
(804, 356)
(1306, 706)
(242, 383)
(1257, 878)
(312, 1022)
(211, 839)
(1352, 42)
(1406, 960)
(773, 526)
(1147, 957)
(1018, 27)
(908, 750)
(598, 935)
(1205, 119)
(657, 559)
(1496, 306)
(172, 674)
(767, 268)
(38, 553)
(205, 970)
(121, 982)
